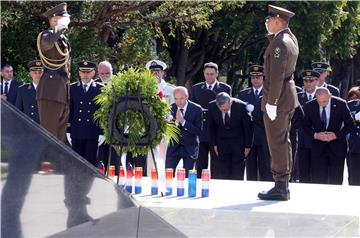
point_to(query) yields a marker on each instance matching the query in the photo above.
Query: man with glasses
(280, 99)
(26, 96)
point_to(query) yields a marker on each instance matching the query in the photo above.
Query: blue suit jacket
(12, 94)
(341, 123)
(82, 109)
(247, 95)
(189, 133)
(26, 101)
(195, 93)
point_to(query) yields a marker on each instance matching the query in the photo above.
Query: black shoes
(280, 192)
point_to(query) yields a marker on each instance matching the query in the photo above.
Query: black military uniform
(258, 160)
(305, 140)
(26, 96)
(321, 67)
(354, 145)
(202, 95)
(83, 130)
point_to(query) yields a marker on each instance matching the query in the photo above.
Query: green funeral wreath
(140, 127)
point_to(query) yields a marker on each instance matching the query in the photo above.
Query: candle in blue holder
(192, 183)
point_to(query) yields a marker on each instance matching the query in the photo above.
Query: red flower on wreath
(160, 94)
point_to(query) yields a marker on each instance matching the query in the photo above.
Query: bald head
(323, 96)
(181, 96)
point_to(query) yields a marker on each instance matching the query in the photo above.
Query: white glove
(68, 137)
(101, 139)
(250, 109)
(64, 21)
(357, 116)
(271, 111)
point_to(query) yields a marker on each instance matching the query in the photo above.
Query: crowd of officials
(325, 128)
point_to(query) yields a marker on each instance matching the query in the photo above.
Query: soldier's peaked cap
(274, 11)
(86, 66)
(155, 65)
(310, 75)
(35, 65)
(59, 10)
(320, 66)
(256, 69)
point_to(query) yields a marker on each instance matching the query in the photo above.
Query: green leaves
(143, 84)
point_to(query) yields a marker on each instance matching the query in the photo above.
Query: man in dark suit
(322, 68)
(328, 120)
(280, 99)
(202, 93)
(84, 132)
(188, 117)
(258, 160)
(9, 86)
(231, 134)
(52, 92)
(26, 97)
(305, 140)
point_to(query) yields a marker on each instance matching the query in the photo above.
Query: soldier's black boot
(280, 192)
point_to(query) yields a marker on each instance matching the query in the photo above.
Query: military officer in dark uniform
(310, 78)
(9, 86)
(328, 120)
(322, 68)
(353, 157)
(202, 93)
(26, 97)
(280, 99)
(52, 92)
(258, 161)
(84, 132)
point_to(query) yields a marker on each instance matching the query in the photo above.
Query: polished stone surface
(233, 210)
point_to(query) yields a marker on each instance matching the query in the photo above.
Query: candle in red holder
(122, 177)
(154, 182)
(169, 174)
(111, 171)
(138, 178)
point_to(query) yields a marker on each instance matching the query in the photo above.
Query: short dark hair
(5, 66)
(211, 65)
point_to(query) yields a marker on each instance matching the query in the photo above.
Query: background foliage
(186, 34)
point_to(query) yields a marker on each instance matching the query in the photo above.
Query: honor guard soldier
(203, 93)
(84, 132)
(323, 68)
(279, 98)
(353, 157)
(9, 86)
(52, 92)
(310, 78)
(258, 161)
(26, 97)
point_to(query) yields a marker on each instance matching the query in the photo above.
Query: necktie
(210, 88)
(323, 117)
(182, 111)
(6, 90)
(309, 99)
(84, 87)
(256, 94)
(227, 120)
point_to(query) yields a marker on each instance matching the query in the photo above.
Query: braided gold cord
(46, 61)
